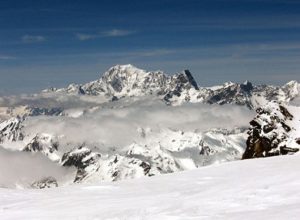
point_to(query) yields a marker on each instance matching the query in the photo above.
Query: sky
(47, 43)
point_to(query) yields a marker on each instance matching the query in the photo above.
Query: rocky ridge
(274, 131)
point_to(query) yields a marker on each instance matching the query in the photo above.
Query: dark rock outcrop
(270, 133)
(233, 93)
(81, 158)
(47, 182)
(45, 144)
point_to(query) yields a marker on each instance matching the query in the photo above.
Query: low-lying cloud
(21, 169)
(116, 124)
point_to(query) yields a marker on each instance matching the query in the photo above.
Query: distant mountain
(127, 80)
(123, 81)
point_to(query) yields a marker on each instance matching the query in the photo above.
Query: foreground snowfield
(250, 189)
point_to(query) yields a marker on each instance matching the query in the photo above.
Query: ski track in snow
(252, 189)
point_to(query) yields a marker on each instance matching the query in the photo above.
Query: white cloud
(115, 124)
(108, 33)
(117, 33)
(27, 168)
(105, 126)
(32, 38)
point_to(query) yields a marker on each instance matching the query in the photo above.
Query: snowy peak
(129, 77)
(121, 76)
(128, 80)
(86, 162)
(125, 71)
(125, 79)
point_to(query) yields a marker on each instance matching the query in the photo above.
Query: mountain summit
(127, 80)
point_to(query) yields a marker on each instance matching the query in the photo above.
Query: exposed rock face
(91, 166)
(272, 132)
(11, 130)
(181, 86)
(35, 111)
(232, 93)
(48, 182)
(45, 144)
(86, 162)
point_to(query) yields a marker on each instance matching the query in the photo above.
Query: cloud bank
(116, 124)
(21, 169)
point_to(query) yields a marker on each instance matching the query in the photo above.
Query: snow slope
(266, 188)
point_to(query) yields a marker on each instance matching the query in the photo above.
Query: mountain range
(127, 80)
(153, 149)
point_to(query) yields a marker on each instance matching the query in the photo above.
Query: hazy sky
(55, 42)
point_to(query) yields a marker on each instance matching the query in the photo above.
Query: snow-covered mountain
(133, 123)
(123, 81)
(166, 152)
(127, 80)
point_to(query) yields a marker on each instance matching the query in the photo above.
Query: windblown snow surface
(251, 189)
